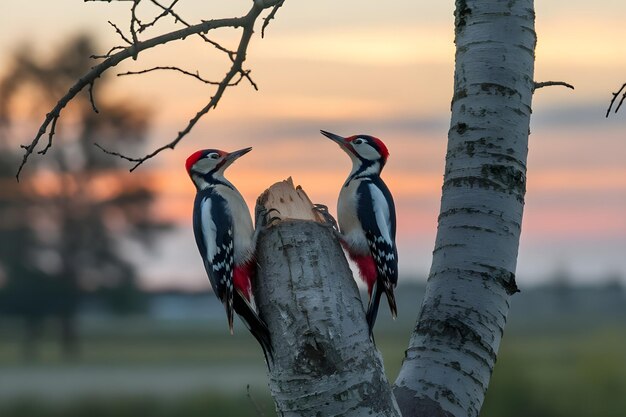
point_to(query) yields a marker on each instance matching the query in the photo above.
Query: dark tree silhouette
(62, 226)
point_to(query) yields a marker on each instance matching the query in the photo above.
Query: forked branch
(118, 54)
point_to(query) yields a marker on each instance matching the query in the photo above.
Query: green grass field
(143, 368)
(568, 375)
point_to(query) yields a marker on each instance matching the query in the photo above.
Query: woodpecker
(226, 240)
(367, 219)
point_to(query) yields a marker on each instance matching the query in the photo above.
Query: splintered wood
(291, 203)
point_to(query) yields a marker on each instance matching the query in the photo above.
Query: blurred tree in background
(64, 225)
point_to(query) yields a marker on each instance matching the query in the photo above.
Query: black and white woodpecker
(226, 239)
(367, 219)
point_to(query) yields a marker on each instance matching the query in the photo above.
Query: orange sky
(363, 67)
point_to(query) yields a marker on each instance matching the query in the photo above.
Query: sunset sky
(384, 69)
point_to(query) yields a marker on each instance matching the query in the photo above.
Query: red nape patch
(367, 268)
(241, 279)
(193, 158)
(382, 148)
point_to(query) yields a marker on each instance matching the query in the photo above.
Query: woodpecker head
(364, 150)
(208, 165)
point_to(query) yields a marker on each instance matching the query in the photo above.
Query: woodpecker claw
(263, 218)
(329, 220)
(262, 222)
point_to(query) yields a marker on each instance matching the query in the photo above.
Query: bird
(226, 239)
(367, 220)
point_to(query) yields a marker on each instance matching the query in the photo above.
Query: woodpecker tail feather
(255, 325)
(372, 307)
(374, 303)
(228, 304)
(391, 299)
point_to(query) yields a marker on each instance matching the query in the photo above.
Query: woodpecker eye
(358, 141)
(213, 155)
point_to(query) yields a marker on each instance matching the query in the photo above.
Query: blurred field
(580, 374)
(564, 365)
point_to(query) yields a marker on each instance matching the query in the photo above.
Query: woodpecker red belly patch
(367, 269)
(242, 279)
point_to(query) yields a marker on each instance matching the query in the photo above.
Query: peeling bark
(455, 342)
(324, 361)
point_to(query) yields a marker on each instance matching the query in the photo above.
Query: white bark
(324, 361)
(454, 345)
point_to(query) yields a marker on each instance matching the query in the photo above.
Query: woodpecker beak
(337, 139)
(230, 158)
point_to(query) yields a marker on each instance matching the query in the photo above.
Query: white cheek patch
(366, 151)
(205, 165)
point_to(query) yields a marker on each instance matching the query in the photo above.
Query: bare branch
(133, 31)
(166, 11)
(91, 99)
(178, 18)
(216, 45)
(234, 70)
(119, 32)
(246, 74)
(29, 148)
(615, 95)
(191, 74)
(620, 103)
(108, 54)
(50, 135)
(97, 145)
(542, 84)
(270, 16)
(112, 59)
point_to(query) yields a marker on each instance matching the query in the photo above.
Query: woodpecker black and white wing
(213, 231)
(376, 212)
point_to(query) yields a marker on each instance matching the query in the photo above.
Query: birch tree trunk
(324, 361)
(455, 341)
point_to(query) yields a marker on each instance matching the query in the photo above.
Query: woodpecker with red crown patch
(367, 219)
(226, 239)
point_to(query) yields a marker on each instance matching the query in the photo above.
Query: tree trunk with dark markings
(453, 349)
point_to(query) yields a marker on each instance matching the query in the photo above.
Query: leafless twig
(195, 75)
(109, 53)
(133, 31)
(113, 58)
(542, 84)
(166, 11)
(119, 32)
(50, 135)
(216, 45)
(234, 70)
(270, 16)
(615, 95)
(91, 99)
(128, 158)
(178, 18)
